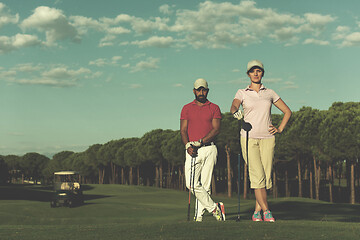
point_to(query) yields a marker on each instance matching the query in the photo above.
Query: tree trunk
(299, 177)
(130, 176)
(138, 175)
(245, 180)
(156, 176)
(330, 183)
(352, 182)
(213, 185)
(311, 185)
(227, 150)
(113, 173)
(287, 193)
(161, 175)
(168, 178)
(170, 175)
(275, 188)
(317, 178)
(122, 175)
(181, 186)
(101, 175)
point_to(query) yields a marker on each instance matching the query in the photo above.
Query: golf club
(238, 216)
(247, 127)
(191, 177)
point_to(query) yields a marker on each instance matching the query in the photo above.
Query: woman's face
(256, 75)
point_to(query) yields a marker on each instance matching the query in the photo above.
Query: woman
(256, 101)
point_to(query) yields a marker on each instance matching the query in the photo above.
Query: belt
(208, 144)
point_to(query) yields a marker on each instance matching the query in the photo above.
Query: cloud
(290, 85)
(135, 85)
(218, 25)
(149, 64)
(273, 80)
(100, 62)
(316, 42)
(56, 76)
(64, 73)
(166, 9)
(340, 32)
(155, 41)
(319, 20)
(347, 38)
(177, 85)
(53, 22)
(6, 17)
(28, 67)
(8, 44)
(351, 40)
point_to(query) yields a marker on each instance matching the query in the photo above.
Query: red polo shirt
(199, 118)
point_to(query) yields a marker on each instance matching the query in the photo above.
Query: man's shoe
(268, 217)
(217, 213)
(256, 217)
(198, 219)
(222, 209)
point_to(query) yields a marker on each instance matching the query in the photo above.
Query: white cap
(200, 83)
(254, 63)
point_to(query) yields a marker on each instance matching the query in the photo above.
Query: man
(199, 124)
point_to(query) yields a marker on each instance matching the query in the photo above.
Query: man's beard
(201, 98)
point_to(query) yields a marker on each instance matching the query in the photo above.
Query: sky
(78, 73)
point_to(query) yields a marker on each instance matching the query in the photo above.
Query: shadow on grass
(37, 192)
(298, 209)
(304, 210)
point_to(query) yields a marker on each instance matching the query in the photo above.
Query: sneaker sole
(222, 208)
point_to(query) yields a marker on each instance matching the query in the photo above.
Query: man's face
(201, 94)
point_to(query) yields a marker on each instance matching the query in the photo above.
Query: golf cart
(67, 189)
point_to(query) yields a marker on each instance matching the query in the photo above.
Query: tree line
(317, 153)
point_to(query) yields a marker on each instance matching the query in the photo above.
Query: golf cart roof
(66, 173)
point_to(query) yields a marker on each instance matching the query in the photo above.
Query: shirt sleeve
(217, 112)
(239, 96)
(275, 97)
(184, 115)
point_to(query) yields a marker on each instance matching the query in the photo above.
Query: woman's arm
(280, 104)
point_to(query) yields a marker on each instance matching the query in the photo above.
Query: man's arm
(185, 137)
(183, 131)
(215, 131)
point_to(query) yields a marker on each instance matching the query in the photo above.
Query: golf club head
(238, 219)
(246, 126)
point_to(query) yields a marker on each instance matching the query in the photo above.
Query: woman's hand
(273, 130)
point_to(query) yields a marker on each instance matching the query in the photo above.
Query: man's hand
(191, 147)
(238, 115)
(194, 144)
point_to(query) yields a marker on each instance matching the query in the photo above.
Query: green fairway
(131, 212)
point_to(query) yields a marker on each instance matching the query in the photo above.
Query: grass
(129, 212)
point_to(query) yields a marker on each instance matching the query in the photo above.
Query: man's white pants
(203, 165)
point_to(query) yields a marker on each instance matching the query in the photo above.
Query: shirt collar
(262, 87)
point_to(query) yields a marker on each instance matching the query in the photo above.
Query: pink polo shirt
(199, 118)
(257, 110)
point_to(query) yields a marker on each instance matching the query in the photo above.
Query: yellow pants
(261, 154)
